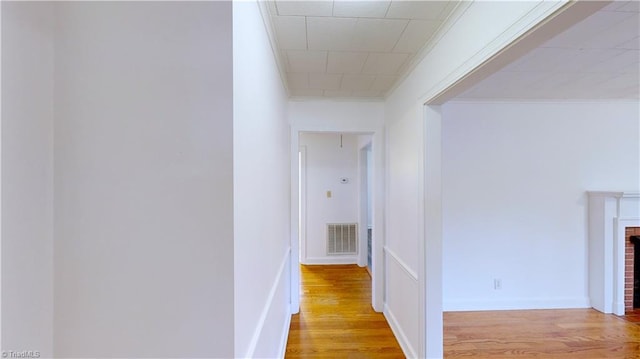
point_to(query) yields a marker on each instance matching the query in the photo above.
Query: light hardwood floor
(519, 334)
(336, 321)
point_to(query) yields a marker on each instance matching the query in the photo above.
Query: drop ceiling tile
(337, 93)
(544, 59)
(304, 8)
(324, 81)
(298, 80)
(630, 6)
(416, 35)
(357, 82)
(626, 29)
(587, 58)
(367, 93)
(306, 92)
(383, 83)
(291, 32)
(330, 33)
(622, 81)
(346, 62)
(384, 63)
(429, 10)
(632, 69)
(576, 36)
(633, 44)
(360, 8)
(307, 61)
(616, 63)
(378, 35)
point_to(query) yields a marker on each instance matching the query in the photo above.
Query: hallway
(336, 319)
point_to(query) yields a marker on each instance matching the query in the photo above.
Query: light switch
(328, 194)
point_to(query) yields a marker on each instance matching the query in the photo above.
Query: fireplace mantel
(609, 213)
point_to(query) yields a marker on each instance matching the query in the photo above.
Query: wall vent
(342, 238)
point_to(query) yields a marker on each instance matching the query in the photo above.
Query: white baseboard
(330, 260)
(514, 304)
(257, 333)
(405, 345)
(285, 336)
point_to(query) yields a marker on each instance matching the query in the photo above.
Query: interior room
(150, 168)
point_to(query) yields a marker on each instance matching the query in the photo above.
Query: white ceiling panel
(629, 6)
(342, 47)
(429, 10)
(298, 80)
(616, 63)
(383, 83)
(291, 32)
(357, 82)
(576, 36)
(346, 62)
(375, 9)
(367, 93)
(585, 59)
(330, 33)
(305, 8)
(378, 35)
(361, 48)
(324, 81)
(416, 35)
(307, 61)
(306, 92)
(337, 93)
(622, 31)
(384, 63)
(633, 44)
(544, 59)
(633, 69)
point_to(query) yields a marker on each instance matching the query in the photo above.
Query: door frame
(377, 149)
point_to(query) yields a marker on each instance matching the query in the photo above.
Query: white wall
(515, 207)
(27, 177)
(261, 191)
(326, 163)
(413, 211)
(342, 116)
(143, 180)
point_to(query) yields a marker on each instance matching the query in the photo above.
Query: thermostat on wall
(344, 180)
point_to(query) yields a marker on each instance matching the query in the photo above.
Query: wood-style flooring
(520, 334)
(632, 316)
(336, 319)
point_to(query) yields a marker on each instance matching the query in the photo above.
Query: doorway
(330, 225)
(307, 251)
(365, 169)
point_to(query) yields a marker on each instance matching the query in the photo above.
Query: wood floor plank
(553, 334)
(336, 319)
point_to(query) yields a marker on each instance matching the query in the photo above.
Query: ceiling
(353, 49)
(598, 58)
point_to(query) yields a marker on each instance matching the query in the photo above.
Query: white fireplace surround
(609, 214)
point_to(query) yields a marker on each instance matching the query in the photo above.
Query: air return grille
(342, 238)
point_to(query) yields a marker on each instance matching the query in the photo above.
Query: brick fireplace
(614, 217)
(629, 261)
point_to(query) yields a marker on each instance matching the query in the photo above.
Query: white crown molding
(265, 12)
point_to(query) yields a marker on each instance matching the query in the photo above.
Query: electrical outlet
(328, 194)
(497, 284)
